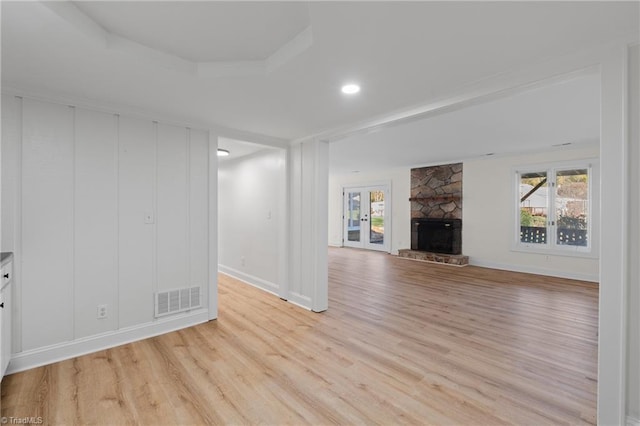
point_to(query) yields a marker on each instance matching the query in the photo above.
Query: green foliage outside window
(526, 218)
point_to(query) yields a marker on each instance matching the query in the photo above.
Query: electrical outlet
(149, 217)
(102, 312)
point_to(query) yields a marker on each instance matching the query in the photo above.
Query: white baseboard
(47, 355)
(300, 300)
(295, 298)
(334, 244)
(534, 270)
(250, 279)
(633, 421)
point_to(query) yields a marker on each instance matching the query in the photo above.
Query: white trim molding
(123, 109)
(551, 246)
(293, 297)
(614, 179)
(300, 300)
(534, 270)
(48, 355)
(252, 280)
(212, 288)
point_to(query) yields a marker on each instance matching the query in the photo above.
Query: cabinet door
(3, 335)
(5, 326)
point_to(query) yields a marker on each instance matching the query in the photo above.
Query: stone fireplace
(436, 214)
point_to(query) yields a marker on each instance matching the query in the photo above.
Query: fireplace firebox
(437, 235)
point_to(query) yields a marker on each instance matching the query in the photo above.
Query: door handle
(6, 275)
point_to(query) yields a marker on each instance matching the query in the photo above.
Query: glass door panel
(376, 223)
(534, 199)
(365, 217)
(353, 218)
(572, 207)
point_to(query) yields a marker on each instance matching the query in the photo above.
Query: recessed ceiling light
(223, 152)
(350, 89)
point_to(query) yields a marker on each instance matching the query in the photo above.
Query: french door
(367, 217)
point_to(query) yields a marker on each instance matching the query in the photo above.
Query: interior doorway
(367, 217)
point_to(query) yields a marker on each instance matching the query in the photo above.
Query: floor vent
(178, 300)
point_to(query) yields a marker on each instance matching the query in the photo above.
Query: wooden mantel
(437, 198)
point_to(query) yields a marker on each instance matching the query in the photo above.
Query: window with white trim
(555, 208)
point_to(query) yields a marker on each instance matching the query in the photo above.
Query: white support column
(308, 183)
(613, 246)
(633, 318)
(213, 227)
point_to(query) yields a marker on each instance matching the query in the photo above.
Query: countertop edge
(5, 257)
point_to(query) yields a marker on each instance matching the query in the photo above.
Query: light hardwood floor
(402, 342)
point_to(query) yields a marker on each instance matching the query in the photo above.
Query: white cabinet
(6, 276)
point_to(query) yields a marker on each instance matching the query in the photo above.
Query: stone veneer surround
(436, 192)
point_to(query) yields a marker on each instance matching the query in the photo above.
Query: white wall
(483, 221)
(272, 222)
(78, 185)
(487, 217)
(400, 180)
(633, 308)
(250, 200)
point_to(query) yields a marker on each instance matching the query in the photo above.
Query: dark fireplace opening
(437, 235)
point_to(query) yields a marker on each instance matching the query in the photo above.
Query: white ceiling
(556, 114)
(238, 149)
(203, 31)
(151, 56)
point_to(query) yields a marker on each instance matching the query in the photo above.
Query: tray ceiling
(403, 54)
(203, 31)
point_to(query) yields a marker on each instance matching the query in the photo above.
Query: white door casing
(367, 217)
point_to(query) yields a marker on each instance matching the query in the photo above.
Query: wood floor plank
(403, 342)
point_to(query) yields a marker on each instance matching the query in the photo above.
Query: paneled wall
(102, 209)
(308, 194)
(47, 232)
(633, 319)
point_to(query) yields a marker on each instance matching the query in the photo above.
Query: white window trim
(551, 248)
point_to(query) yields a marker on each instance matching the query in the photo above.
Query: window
(554, 209)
